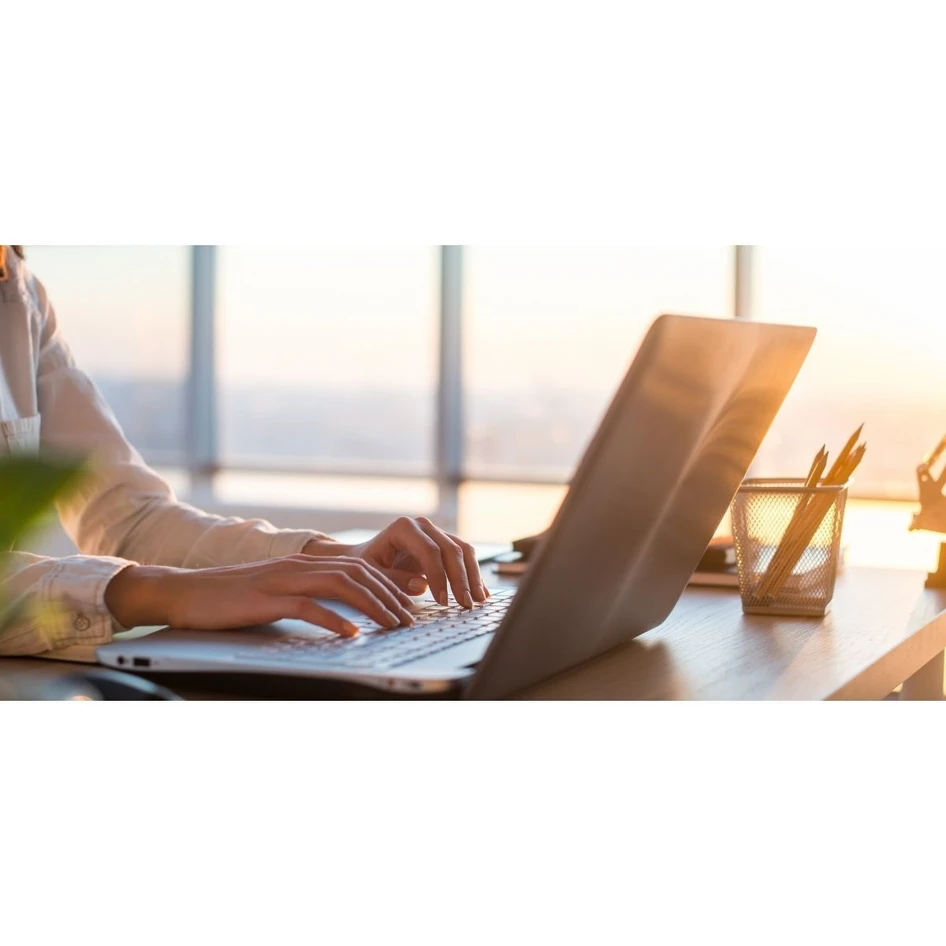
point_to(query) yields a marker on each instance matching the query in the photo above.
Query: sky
(120, 308)
(536, 320)
(353, 318)
(356, 317)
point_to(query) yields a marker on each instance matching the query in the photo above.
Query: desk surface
(882, 628)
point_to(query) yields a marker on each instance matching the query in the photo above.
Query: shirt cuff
(293, 541)
(73, 601)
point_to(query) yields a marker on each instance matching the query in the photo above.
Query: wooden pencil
(775, 564)
(811, 522)
(801, 537)
(808, 516)
(844, 455)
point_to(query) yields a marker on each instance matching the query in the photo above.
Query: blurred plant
(28, 487)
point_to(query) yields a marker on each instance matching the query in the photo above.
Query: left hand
(414, 553)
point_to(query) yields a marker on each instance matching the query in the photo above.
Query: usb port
(141, 661)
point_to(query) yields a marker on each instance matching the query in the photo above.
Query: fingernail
(350, 629)
(468, 600)
(480, 593)
(392, 619)
(417, 586)
(407, 618)
(487, 592)
(442, 598)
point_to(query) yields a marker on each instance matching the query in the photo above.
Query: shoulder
(18, 285)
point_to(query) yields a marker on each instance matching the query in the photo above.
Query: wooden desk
(883, 629)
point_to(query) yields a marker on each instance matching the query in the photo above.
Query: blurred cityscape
(329, 355)
(540, 434)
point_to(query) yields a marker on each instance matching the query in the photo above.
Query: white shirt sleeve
(58, 601)
(122, 512)
(123, 508)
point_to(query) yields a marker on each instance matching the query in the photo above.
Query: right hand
(259, 593)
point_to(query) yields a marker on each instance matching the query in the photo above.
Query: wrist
(139, 595)
(326, 546)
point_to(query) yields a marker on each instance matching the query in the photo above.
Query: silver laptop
(649, 492)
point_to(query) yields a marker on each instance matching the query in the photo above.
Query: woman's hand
(240, 595)
(413, 553)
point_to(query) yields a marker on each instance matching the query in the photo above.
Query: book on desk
(717, 567)
(717, 573)
(726, 577)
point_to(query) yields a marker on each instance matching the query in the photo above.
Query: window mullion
(202, 378)
(450, 431)
(742, 288)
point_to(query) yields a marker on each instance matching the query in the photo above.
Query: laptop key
(436, 629)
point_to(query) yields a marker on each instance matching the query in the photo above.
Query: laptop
(648, 494)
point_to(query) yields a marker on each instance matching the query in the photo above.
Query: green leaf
(10, 614)
(28, 487)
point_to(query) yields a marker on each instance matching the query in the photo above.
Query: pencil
(844, 455)
(817, 510)
(814, 474)
(808, 517)
(817, 468)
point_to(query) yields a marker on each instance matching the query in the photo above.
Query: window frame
(202, 456)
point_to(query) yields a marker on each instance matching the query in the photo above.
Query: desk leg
(926, 683)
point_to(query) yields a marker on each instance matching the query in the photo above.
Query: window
(125, 312)
(327, 364)
(550, 333)
(880, 357)
(328, 357)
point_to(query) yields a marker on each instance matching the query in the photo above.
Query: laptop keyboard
(435, 629)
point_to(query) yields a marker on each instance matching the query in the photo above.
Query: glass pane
(550, 333)
(125, 312)
(880, 357)
(502, 512)
(389, 496)
(875, 533)
(328, 354)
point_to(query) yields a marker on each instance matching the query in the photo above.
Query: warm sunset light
(394, 396)
(549, 334)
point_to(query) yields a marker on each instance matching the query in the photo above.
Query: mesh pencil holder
(788, 542)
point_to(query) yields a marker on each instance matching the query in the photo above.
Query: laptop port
(141, 661)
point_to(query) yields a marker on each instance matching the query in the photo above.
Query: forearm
(141, 520)
(122, 507)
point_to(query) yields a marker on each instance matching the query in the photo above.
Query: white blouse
(123, 513)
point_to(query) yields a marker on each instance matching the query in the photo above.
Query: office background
(335, 387)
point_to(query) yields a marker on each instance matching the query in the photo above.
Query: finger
(452, 557)
(472, 569)
(337, 584)
(359, 596)
(305, 609)
(362, 571)
(409, 537)
(413, 583)
(381, 575)
(381, 587)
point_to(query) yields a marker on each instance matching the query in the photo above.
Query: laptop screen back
(650, 491)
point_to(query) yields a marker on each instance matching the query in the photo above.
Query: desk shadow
(637, 670)
(769, 652)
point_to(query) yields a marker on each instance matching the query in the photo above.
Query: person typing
(147, 558)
